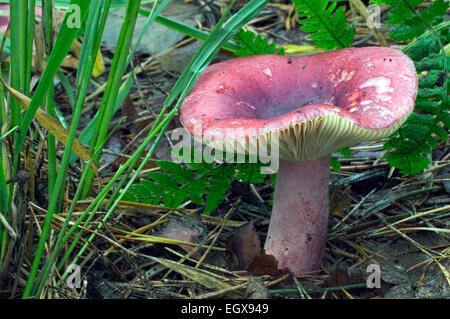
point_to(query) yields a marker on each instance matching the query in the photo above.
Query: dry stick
(436, 210)
(423, 249)
(354, 208)
(362, 250)
(140, 230)
(112, 242)
(227, 215)
(34, 168)
(301, 291)
(386, 202)
(415, 229)
(276, 281)
(221, 291)
(212, 267)
(10, 230)
(347, 293)
(191, 252)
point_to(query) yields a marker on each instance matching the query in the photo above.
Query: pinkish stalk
(298, 226)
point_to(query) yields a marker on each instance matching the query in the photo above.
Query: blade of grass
(113, 84)
(47, 19)
(3, 195)
(67, 87)
(51, 125)
(4, 167)
(62, 236)
(190, 31)
(204, 56)
(94, 27)
(62, 46)
(88, 133)
(29, 29)
(16, 61)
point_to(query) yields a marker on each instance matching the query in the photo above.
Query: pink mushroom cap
(313, 105)
(4, 15)
(357, 94)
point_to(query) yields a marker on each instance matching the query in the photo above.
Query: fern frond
(410, 23)
(255, 45)
(250, 173)
(172, 186)
(219, 184)
(202, 183)
(328, 26)
(423, 130)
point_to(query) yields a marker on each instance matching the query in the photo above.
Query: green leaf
(445, 118)
(220, 183)
(435, 12)
(410, 23)
(411, 29)
(440, 132)
(428, 106)
(335, 164)
(409, 164)
(421, 132)
(328, 26)
(423, 48)
(250, 173)
(251, 45)
(401, 11)
(345, 151)
(430, 79)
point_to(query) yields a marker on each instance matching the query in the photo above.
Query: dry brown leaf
(52, 126)
(243, 246)
(99, 65)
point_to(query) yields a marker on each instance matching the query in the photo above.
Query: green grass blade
(212, 45)
(62, 45)
(118, 67)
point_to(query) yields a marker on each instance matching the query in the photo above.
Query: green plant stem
(190, 31)
(16, 60)
(113, 84)
(95, 205)
(23, 14)
(203, 57)
(91, 46)
(51, 146)
(51, 141)
(3, 197)
(62, 45)
(29, 45)
(441, 26)
(63, 237)
(3, 114)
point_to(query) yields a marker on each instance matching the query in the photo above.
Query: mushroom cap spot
(313, 104)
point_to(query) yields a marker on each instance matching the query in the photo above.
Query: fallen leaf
(243, 246)
(188, 229)
(52, 126)
(99, 65)
(266, 265)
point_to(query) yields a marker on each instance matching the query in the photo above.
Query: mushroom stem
(299, 223)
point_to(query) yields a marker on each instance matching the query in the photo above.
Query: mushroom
(313, 105)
